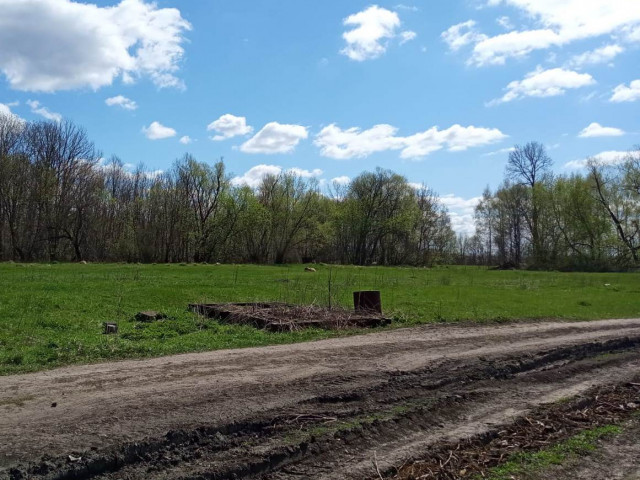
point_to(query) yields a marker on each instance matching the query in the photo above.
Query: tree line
(540, 220)
(60, 201)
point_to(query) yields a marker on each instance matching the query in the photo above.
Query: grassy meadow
(52, 314)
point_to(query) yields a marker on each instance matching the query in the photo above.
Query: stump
(110, 328)
(367, 301)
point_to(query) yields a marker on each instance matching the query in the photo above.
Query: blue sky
(435, 90)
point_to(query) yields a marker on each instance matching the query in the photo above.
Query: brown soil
(535, 431)
(614, 459)
(322, 410)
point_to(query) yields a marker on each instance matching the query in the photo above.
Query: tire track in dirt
(228, 410)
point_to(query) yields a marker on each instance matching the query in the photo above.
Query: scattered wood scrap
(283, 317)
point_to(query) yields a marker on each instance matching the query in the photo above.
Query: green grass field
(52, 315)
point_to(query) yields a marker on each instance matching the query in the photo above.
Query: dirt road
(324, 409)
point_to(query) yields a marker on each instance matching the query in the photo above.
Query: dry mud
(332, 409)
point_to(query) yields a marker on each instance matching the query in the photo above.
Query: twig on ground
(375, 464)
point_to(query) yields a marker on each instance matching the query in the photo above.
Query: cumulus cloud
(609, 157)
(5, 110)
(186, 140)
(502, 151)
(599, 55)
(342, 180)
(557, 23)
(462, 34)
(407, 36)
(122, 102)
(456, 138)
(229, 126)
(275, 138)
(622, 93)
(301, 172)
(157, 131)
(38, 109)
(254, 175)
(50, 45)
(545, 83)
(461, 212)
(495, 50)
(334, 142)
(597, 130)
(371, 30)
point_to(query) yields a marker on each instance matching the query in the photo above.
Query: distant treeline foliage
(60, 201)
(538, 220)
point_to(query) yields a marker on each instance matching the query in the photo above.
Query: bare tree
(527, 165)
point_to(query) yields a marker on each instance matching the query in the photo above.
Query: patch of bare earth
(332, 409)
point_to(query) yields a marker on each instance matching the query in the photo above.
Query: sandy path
(101, 406)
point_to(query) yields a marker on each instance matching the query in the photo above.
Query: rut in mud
(323, 410)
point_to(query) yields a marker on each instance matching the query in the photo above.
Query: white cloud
(122, 102)
(632, 34)
(407, 36)
(5, 110)
(342, 180)
(50, 45)
(337, 143)
(457, 138)
(229, 126)
(409, 8)
(157, 131)
(495, 50)
(38, 109)
(622, 93)
(462, 34)
(610, 157)
(461, 212)
(599, 55)
(301, 172)
(371, 30)
(502, 151)
(545, 83)
(505, 22)
(275, 138)
(186, 140)
(597, 130)
(254, 175)
(557, 23)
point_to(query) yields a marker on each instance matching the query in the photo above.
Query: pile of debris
(283, 317)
